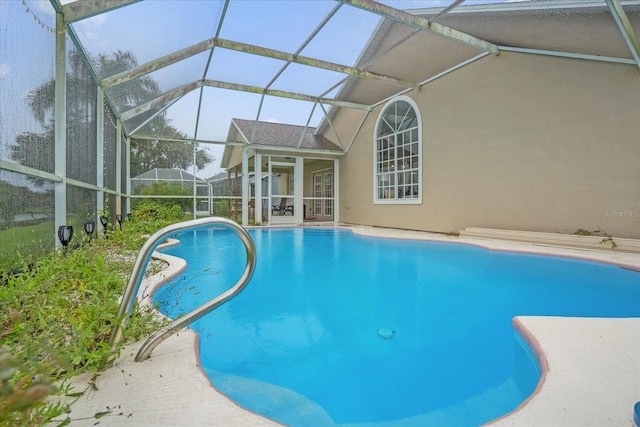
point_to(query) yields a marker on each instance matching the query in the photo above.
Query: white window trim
(323, 201)
(317, 193)
(418, 200)
(327, 193)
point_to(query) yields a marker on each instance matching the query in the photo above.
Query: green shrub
(221, 208)
(153, 212)
(162, 188)
(56, 319)
(145, 220)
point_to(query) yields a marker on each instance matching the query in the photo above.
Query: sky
(154, 28)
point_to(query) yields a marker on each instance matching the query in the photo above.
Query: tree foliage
(37, 149)
(150, 154)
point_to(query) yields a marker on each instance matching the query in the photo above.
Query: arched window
(398, 153)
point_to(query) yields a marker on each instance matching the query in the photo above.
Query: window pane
(397, 152)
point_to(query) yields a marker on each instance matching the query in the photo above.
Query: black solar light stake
(89, 227)
(65, 233)
(104, 221)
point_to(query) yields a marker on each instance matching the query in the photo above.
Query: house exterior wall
(515, 141)
(235, 159)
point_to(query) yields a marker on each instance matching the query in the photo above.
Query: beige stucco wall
(518, 141)
(235, 159)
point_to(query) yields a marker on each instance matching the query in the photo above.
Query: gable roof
(282, 135)
(258, 134)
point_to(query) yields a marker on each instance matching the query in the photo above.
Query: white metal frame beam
(118, 166)
(626, 29)
(158, 63)
(29, 171)
(170, 96)
(312, 62)
(240, 144)
(568, 55)
(257, 200)
(423, 24)
(159, 101)
(60, 115)
(284, 94)
(245, 185)
(100, 112)
(446, 10)
(202, 46)
(153, 116)
(82, 9)
(308, 40)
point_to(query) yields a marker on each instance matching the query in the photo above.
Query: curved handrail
(139, 267)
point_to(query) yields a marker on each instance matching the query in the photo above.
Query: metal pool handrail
(139, 267)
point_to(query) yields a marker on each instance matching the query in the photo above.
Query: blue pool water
(339, 329)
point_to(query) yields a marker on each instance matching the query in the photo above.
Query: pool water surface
(340, 329)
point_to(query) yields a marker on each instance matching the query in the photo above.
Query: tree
(37, 149)
(149, 154)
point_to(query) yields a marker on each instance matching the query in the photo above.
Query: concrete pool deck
(593, 376)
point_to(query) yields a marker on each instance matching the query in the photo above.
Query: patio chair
(282, 209)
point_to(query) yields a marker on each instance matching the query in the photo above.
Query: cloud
(4, 70)
(273, 120)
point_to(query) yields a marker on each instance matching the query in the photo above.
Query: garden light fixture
(89, 227)
(65, 233)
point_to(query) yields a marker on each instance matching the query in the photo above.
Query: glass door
(282, 191)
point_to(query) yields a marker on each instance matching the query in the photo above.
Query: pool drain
(386, 333)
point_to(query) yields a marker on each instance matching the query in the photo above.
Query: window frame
(317, 193)
(327, 179)
(396, 172)
(323, 195)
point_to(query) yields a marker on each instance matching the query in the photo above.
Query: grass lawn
(25, 243)
(28, 243)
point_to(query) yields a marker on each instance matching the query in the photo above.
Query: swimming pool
(336, 328)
